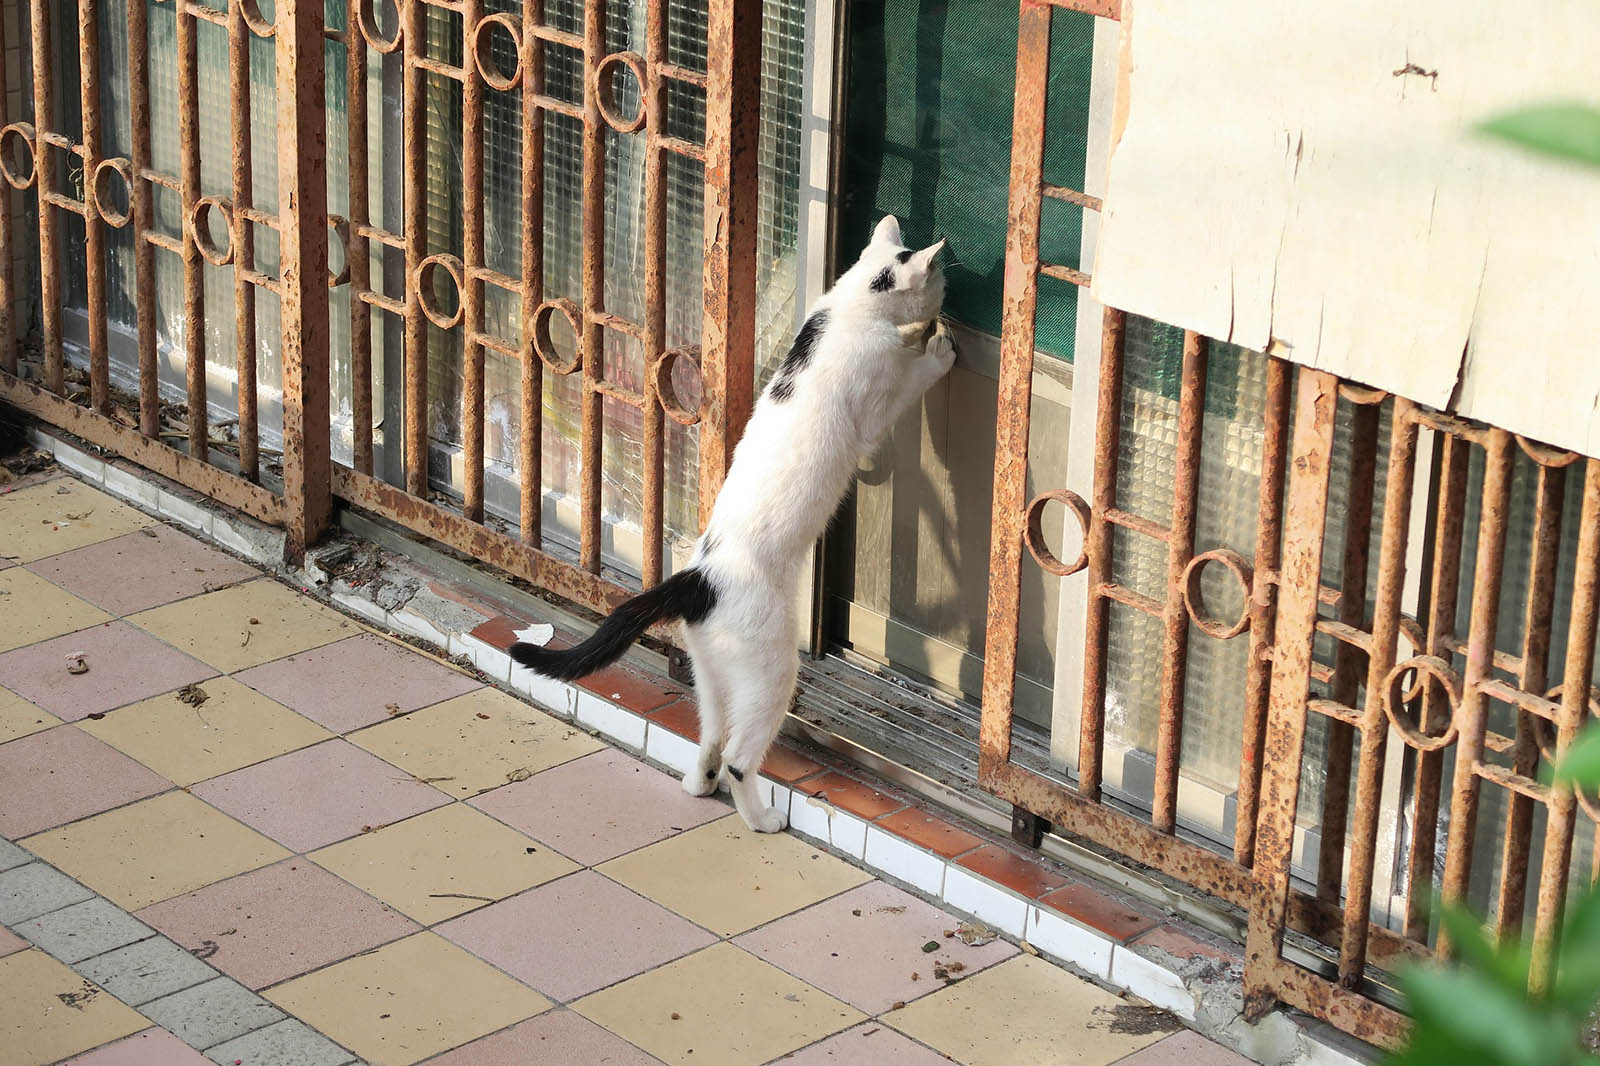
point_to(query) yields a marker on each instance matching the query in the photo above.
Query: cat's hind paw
(701, 781)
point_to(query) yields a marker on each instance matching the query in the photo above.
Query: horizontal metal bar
(1137, 523)
(561, 37)
(1064, 273)
(560, 107)
(444, 70)
(1503, 660)
(681, 73)
(1138, 600)
(382, 236)
(616, 322)
(163, 240)
(687, 149)
(1496, 689)
(494, 344)
(1345, 633)
(385, 303)
(1106, 9)
(260, 280)
(165, 180)
(512, 285)
(1508, 778)
(618, 392)
(204, 13)
(1072, 196)
(65, 203)
(1341, 712)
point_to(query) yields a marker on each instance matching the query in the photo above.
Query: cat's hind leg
(763, 686)
(711, 700)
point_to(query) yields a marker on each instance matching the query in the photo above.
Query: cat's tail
(688, 594)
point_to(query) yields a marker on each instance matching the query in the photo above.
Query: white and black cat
(868, 350)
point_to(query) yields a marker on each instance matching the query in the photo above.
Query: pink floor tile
(153, 1047)
(319, 794)
(558, 1038)
(126, 665)
(865, 945)
(63, 774)
(277, 922)
(575, 935)
(1185, 1049)
(600, 806)
(355, 682)
(873, 1042)
(10, 943)
(138, 571)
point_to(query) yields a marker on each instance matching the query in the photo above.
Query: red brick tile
(681, 717)
(851, 795)
(935, 834)
(636, 692)
(1176, 942)
(1093, 908)
(498, 632)
(1013, 871)
(789, 766)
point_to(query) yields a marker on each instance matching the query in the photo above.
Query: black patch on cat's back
(805, 344)
(883, 282)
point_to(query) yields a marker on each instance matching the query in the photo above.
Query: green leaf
(1566, 130)
(1497, 1025)
(1580, 767)
(1506, 964)
(1577, 984)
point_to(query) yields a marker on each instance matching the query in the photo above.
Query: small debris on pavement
(676, 1016)
(392, 708)
(974, 935)
(255, 621)
(77, 665)
(521, 773)
(193, 695)
(898, 1004)
(483, 716)
(149, 531)
(932, 945)
(1029, 948)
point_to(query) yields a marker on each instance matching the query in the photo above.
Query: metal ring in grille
(483, 52)
(1544, 736)
(1394, 699)
(341, 229)
(369, 29)
(423, 279)
(10, 137)
(1194, 599)
(98, 194)
(200, 227)
(1033, 533)
(250, 10)
(605, 91)
(1544, 455)
(544, 344)
(666, 394)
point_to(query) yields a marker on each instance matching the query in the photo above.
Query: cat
(869, 348)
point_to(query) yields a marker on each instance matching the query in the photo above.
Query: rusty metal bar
(244, 243)
(1016, 386)
(728, 331)
(1348, 659)
(1180, 549)
(8, 329)
(1449, 526)
(416, 235)
(1471, 713)
(1098, 542)
(142, 208)
(49, 247)
(1385, 636)
(1577, 676)
(472, 351)
(194, 293)
(655, 286)
(357, 252)
(531, 470)
(1299, 584)
(303, 194)
(592, 336)
(1258, 676)
(93, 228)
(1538, 613)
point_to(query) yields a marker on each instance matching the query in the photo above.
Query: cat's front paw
(768, 820)
(702, 780)
(940, 348)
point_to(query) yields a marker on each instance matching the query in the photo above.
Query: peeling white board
(1304, 179)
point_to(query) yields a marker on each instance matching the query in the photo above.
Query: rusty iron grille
(1319, 653)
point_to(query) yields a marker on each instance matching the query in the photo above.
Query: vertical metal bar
(1539, 612)
(1097, 550)
(244, 240)
(1016, 386)
(655, 282)
(1180, 549)
(416, 238)
(44, 121)
(594, 287)
(1471, 714)
(1299, 584)
(532, 450)
(728, 332)
(472, 352)
(8, 329)
(302, 222)
(357, 249)
(1449, 525)
(93, 228)
(1577, 676)
(1348, 660)
(142, 207)
(194, 292)
(1258, 676)
(1374, 725)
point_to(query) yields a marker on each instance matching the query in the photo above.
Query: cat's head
(904, 284)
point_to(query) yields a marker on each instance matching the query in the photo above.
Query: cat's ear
(921, 262)
(888, 231)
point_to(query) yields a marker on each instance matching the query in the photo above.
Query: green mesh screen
(927, 137)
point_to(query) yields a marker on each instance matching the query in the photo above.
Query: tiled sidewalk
(289, 840)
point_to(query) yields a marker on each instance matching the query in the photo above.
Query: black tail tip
(525, 654)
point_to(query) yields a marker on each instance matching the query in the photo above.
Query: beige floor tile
(216, 627)
(718, 1007)
(43, 520)
(32, 609)
(19, 718)
(729, 879)
(1024, 1010)
(154, 849)
(47, 1012)
(408, 1000)
(476, 742)
(235, 726)
(424, 866)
